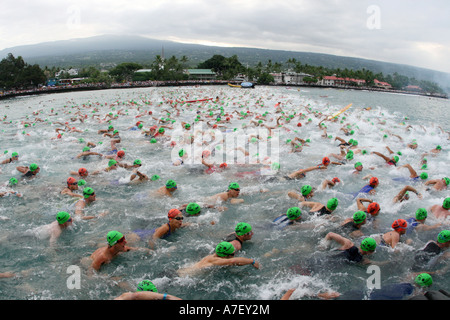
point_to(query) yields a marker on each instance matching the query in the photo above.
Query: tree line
(15, 73)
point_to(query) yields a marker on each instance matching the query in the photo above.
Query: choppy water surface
(42, 271)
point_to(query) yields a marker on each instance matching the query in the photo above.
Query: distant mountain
(113, 49)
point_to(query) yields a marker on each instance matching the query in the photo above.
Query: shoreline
(149, 84)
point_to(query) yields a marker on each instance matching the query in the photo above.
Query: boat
(234, 85)
(243, 85)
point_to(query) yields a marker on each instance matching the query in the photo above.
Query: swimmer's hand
(255, 264)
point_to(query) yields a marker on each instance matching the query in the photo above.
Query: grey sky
(400, 31)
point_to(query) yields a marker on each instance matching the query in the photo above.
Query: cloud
(400, 31)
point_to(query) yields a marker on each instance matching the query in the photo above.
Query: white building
(292, 78)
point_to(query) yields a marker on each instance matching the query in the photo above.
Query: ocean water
(284, 254)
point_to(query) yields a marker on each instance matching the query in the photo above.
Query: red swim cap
(335, 180)
(373, 181)
(71, 180)
(223, 165)
(173, 213)
(373, 208)
(399, 225)
(121, 153)
(82, 172)
(299, 124)
(326, 161)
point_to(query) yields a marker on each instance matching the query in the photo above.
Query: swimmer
(72, 185)
(322, 295)
(88, 199)
(118, 157)
(431, 250)
(418, 222)
(319, 208)
(110, 129)
(330, 183)
(30, 171)
(168, 189)
(370, 188)
(392, 238)
(390, 161)
(87, 152)
(175, 222)
(231, 194)
(358, 168)
(11, 182)
(112, 165)
(104, 255)
(403, 195)
(51, 231)
(373, 208)
(302, 172)
(441, 211)
(146, 290)
(413, 173)
(142, 177)
(307, 192)
(353, 225)
(182, 158)
(82, 173)
(223, 256)
(242, 232)
(438, 184)
(350, 251)
(14, 157)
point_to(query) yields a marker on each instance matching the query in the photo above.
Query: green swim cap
(446, 203)
(154, 177)
(424, 280)
(81, 182)
(421, 214)
(443, 236)
(293, 213)
(358, 164)
(242, 228)
(146, 285)
(424, 175)
(171, 184)
(110, 127)
(275, 166)
(161, 130)
(137, 162)
(224, 249)
(349, 156)
(187, 125)
(153, 140)
(181, 152)
(332, 204)
(359, 217)
(112, 162)
(62, 217)
(14, 154)
(438, 147)
(355, 143)
(396, 159)
(86, 149)
(13, 181)
(368, 244)
(33, 167)
(424, 167)
(193, 208)
(447, 180)
(113, 236)
(233, 186)
(306, 189)
(87, 192)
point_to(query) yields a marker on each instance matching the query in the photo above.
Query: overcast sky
(400, 31)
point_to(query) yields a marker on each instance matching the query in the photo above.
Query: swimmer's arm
(344, 242)
(22, 169)
(431, 182)
(237, 262)
(236, 201)
(381, 155)
(296, 196)
(70, 193)
(359, 204)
